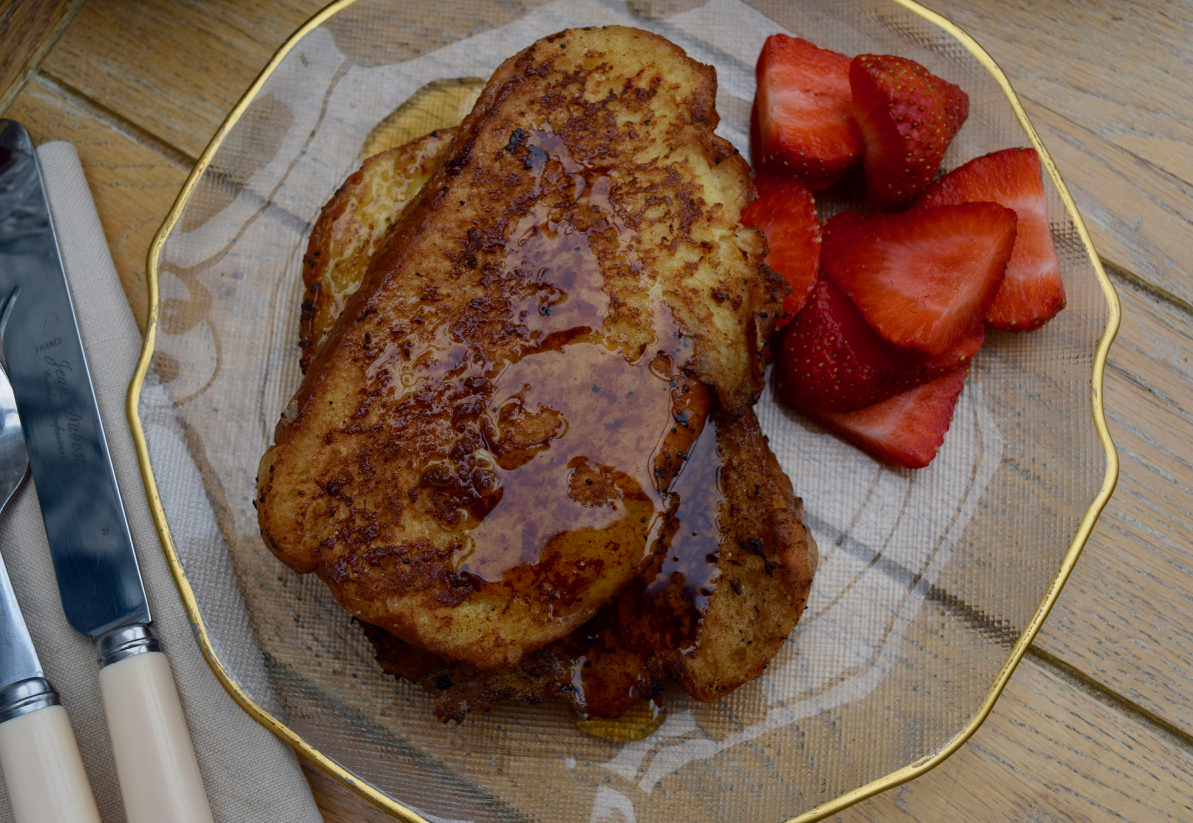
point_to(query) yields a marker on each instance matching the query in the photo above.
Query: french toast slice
(480, 454)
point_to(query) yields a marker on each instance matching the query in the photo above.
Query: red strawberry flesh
(802, 120)
(831, 358)
(907, 429)
(1032, 292)
(786, 213)
(923, 278)
(907, 116)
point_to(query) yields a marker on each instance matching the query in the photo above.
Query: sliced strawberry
(907, 429)
(922, 278)
(802, 120)
(932, 366)
(831, 358)
(786, 214)
(907, 116)
(1032, 292)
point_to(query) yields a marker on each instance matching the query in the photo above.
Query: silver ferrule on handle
(124, 642)
(26, 696)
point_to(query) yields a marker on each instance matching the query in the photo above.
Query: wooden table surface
(1096, 723)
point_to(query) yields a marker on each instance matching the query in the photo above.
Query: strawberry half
(832, 359)
(786, 214)
(922, 278)
(802, 123)
(907, 116)
(907, 429)
(1032, 292)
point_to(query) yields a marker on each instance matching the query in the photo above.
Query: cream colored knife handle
(155, 760)
(43, 770)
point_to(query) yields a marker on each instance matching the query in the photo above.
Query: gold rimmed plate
(931, 585)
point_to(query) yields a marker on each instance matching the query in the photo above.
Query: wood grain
(1106, 83)
(27, 32)
(1126, 615)
(133, 186)
(1049, 752)
(174, 69)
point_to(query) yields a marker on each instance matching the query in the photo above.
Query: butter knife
(98, 577)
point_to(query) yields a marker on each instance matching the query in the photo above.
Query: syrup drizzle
(576, 429)
(690, 559)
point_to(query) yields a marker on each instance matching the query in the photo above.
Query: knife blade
(97, 570)
(38, 753)
(98, 576)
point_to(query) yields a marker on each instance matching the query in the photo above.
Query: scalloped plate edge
(820, 812)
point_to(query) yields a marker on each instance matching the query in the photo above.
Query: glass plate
(931, 583)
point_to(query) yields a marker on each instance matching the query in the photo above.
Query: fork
(38, 753)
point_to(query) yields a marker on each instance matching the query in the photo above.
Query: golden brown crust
(582, 232)
(352, 227)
